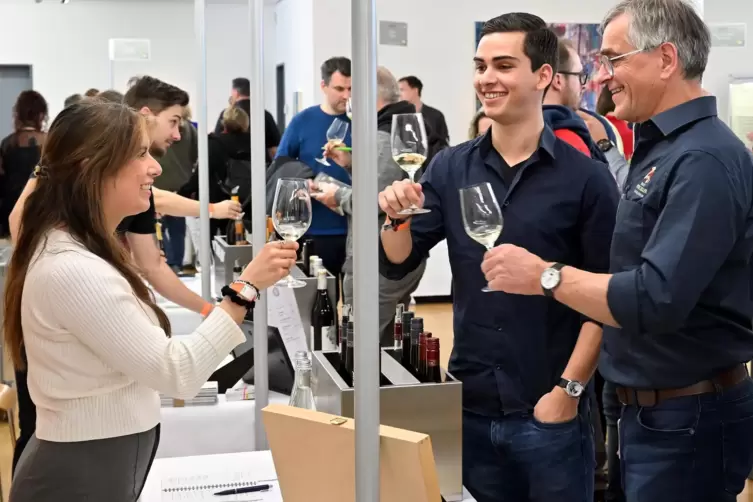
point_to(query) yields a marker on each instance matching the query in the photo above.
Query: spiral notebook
(202, 487)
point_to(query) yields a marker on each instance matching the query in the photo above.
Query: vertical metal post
(202, 118)
(259, 211)
(365, 252)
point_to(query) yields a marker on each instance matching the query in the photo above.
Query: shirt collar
(546, 142)
(691, 111)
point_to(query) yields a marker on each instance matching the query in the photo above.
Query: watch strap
(395, 225)
(230, 293)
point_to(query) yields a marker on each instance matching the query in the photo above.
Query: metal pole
(259, 212)
(205, 252)
(365, 252)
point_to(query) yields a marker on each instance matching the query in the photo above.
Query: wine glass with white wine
(291, 216)
(482, 217)
(409, 148)
(349, 109)
(335, 136)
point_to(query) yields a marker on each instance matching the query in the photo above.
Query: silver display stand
(365, 250)
(364, 214)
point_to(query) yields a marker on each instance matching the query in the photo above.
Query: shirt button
(499, 367)
(507, 203)
(499, 329)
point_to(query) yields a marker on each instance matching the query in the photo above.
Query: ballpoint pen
(246, 489)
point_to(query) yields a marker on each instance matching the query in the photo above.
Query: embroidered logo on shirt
(641, 189)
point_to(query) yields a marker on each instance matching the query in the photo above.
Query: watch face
(550, 278)
(248, 293)
(574, 389)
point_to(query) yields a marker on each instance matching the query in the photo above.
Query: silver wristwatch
(573, 388)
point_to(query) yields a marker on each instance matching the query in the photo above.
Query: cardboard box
(314, 455)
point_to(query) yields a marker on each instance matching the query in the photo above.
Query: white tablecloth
(226, 427)
(260, 463)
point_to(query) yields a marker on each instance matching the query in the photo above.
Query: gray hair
(654, 22)
(387, 88)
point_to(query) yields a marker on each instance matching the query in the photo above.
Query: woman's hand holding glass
(272, 264)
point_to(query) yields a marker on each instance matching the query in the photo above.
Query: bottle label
(328, 339)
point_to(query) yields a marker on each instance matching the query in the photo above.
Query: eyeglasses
(582, 76)
(607, 62)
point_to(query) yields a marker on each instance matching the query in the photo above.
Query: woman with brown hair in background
(19, 152)
(97, 344)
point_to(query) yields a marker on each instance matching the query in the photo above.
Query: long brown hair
(88, 143)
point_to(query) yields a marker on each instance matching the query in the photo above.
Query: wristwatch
(551, 278)
(573, 388)
(604, 145)
(241, 293)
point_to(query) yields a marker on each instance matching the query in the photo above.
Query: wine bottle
(240, 231)
(307, 250)
(323, 334)
(302, 395)
(421, 371)
(405, 356)
(344, 336)
(312, 265)
(349, 353)
(416, 328)
(433, 373)
(398, 329)
(160, 236)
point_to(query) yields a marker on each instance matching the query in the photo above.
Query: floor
(437, 319)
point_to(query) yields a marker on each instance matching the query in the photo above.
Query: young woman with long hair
(98, 347)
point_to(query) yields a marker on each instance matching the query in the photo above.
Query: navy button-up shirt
(681, 254)
(509, 350)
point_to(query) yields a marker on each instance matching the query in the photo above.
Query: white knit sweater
(97, 356)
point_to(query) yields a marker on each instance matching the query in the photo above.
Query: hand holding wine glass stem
(272, 264)
(399, 196)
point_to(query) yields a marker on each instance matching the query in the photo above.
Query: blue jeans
(517, 458)
(689, 449)
(175, 240)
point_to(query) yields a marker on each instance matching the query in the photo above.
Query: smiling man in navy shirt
(677, 305)
(303, 140)
(523, 361)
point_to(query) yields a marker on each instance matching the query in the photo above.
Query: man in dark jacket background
(563, 115)
(337, 197)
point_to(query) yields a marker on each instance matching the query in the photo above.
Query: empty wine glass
(291, 216)
(335, 136)
(482, 217)
(409, 148)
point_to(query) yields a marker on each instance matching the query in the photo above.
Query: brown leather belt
(652, 397)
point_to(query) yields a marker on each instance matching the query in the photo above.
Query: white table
(259, 463)
(225, 427)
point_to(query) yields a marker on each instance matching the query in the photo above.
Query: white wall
(294, 47)
(441, 43)
(67, 46)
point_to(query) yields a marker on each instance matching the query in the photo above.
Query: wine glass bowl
(482, 217)
(409, 148)
(335, 135)
(291, 216)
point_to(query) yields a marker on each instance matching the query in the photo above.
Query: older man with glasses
(676, 305)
